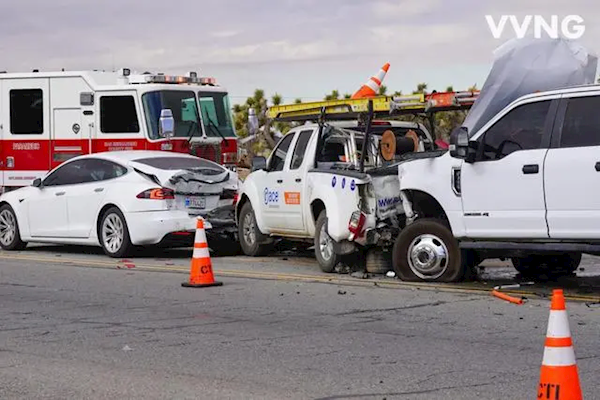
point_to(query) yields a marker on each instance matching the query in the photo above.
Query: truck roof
(111, 79)
(565, 90)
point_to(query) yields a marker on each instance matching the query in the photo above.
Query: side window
(300, 149)
(101, 170)
(521, 129)
(26, 111)
(118, 115)
(280, 153)
(68, 174)
(582, 123)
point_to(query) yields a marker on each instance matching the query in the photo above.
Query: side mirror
(259, 163)
(37, 182)
(459, 143)
(166, 124)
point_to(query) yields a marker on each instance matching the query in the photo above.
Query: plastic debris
(391, 274)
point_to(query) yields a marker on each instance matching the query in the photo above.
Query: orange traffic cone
(201, 274)
(371, 88)
(559, 379)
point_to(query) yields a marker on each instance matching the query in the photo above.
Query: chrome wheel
(428, 257)
(325, 244)
(113, 233)
(8, 227)
(249, 229)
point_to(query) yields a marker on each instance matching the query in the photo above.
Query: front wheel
(324, 252)
(114, 234)
(249, 233)
(10, 236)
(426, 250)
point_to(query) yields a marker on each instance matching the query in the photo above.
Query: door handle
(298, 180)
(98, 189)
(59, 193)
(598, 166)
(279, 180)
(531, 169)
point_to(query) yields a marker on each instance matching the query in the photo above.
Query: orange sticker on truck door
(292, 197)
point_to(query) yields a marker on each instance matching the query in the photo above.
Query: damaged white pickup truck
(319, 186)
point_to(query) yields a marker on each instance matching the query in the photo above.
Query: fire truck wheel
(249, 234)
(327, 258)
(10, 237)
(113, 234)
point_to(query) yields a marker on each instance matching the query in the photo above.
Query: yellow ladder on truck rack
(382, 106)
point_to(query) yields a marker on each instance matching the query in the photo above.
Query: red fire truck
(49, 117)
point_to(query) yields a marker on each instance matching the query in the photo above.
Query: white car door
(503, 190)
(85, 199)
(47, 209)
(271, 194)
(572, 169)
(293, 185)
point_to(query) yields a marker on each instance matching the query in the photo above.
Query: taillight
(356, 223)
(230, 194)
(157, 194)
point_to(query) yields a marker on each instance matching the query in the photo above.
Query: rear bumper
(173, 227)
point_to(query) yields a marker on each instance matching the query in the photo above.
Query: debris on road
(360, 275)
(341, 292)
(391, 274)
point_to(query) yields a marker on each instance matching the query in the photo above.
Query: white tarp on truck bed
(524, 66)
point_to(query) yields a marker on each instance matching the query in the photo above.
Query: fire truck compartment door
(47, 212)
(69, 137)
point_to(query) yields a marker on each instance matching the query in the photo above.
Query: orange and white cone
(559, 379)
(201, 274)
(371, 88)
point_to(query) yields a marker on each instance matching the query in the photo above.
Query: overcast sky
(298, 48)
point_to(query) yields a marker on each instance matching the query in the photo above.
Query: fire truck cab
(47, 118)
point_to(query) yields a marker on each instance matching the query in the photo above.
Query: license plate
(195, 202)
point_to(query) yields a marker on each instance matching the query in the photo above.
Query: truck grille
(210, 151)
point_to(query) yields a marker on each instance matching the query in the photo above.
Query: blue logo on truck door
(271, 196)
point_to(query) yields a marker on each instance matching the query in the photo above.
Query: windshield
(216, 114)
(183, 106)
(176, 163)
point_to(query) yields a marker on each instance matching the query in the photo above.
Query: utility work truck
(47, 118)
(334, 182)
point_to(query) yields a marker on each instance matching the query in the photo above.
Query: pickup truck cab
(526, 186)
(311, 189)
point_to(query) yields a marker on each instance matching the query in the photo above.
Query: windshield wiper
(190, 132)
(213, 125)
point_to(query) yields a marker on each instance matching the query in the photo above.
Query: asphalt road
(101, 332)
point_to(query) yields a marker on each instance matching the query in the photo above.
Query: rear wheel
(326, 256)
(114, 235)
(426, 250)
(10, 236)
(249, 233)
(549, 265)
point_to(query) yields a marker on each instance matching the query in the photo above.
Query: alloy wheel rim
(428, 257)
(113, 233)
(8, 227)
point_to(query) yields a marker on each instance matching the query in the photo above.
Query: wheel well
(100, 215)
(316, 207)
(427, 206)
(243, 200)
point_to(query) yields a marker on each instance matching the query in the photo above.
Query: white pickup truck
(525, 186)
(311, 189)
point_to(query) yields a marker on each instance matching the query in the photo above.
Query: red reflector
(182, 233)
(381, 123)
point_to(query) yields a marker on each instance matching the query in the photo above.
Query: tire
(326, 256)
(549, 265)
(10, 236)
(436, 255)
(249, 233)
(113, 234)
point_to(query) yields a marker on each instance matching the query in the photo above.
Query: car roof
(125, 156)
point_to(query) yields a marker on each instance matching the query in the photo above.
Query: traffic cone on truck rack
(201, 274)
(371, 88)
(559, 379)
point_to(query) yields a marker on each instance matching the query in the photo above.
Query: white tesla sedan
(119, 200)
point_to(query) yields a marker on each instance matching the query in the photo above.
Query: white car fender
(340, 196)
(20, 208)
(434, 176)
(250, 189)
